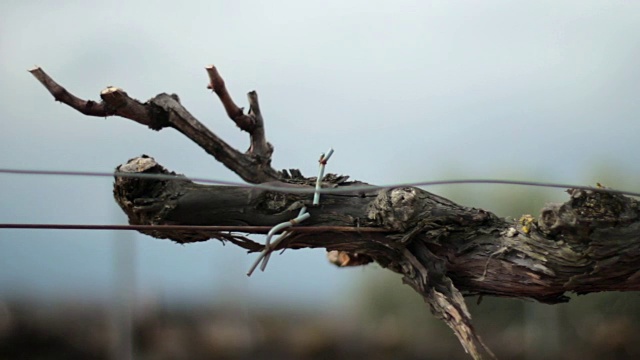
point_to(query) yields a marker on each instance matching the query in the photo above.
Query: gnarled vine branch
(443, 250)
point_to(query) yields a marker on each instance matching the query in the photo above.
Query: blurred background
(404, 91)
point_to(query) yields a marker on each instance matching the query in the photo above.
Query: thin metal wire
(310, 190)
(240, 229)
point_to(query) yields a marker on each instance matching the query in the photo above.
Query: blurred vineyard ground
(590, 327)
(86, 331)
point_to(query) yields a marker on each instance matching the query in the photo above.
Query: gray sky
(402, 90)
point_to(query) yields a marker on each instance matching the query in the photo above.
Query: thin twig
(252, 122)
(235, 113)
(87, 107)
(166, 111)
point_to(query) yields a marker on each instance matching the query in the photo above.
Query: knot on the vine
(395, 209)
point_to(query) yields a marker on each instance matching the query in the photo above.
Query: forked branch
(165, 110)
(251, 123)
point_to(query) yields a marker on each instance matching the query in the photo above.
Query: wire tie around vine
(268, 246)
(323, 162)
(265, 254)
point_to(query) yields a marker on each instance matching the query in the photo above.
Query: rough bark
(443, 250)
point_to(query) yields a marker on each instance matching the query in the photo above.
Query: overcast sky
(403, 90)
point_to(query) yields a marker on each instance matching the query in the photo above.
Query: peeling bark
(444, 251)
